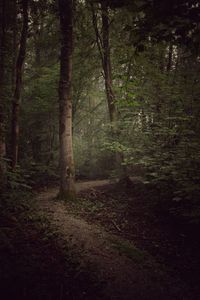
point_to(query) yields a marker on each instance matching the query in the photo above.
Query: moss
(126, 248)
(66, 196)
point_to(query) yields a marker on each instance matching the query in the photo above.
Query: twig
(116, 226)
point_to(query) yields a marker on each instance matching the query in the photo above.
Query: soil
(116, 241)
(133, 250)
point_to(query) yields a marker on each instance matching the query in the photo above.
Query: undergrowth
(35, 263)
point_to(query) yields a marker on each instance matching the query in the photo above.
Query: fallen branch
(116, 226)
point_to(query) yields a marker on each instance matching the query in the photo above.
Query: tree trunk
(103, 43)
(18, 86)
(119, 157)
(14, 45)
(2, 82)
(67, 181)
(37, 28)
(107, 64)
(170, 57)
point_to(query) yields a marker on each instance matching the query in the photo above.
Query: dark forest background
(118, 81)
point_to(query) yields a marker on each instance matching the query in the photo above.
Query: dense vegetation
(97, 90)
(152, 77)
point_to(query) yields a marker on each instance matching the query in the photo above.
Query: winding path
(124, 278)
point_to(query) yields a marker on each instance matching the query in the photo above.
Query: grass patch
(81, 205)
(129, 250)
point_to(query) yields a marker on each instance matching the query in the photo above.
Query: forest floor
(134, 251)
(112, 243)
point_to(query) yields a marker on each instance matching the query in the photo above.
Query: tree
(18, 85)
(39, 111)
(67, 186)
(2, 81)
(103, 43)
(127, 76)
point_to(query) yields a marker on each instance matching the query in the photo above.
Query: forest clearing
(99, 149)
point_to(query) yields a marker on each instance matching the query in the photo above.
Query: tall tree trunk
(107, 64)
(18, 86)
(103, 43)
(67, 181)
(14, 44)
(2, 82)
(37, 26)
(170, 57)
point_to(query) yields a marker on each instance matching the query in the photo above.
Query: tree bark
(107, 64)
(67, 176)
(2, 82)
(18, 86)
(14, 44)
(119, 157)
(103, 43)
(170, 57)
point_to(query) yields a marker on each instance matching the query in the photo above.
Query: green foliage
(18, 180)
(156, 86)
(41, 175)
(159, 112)
(127, 249)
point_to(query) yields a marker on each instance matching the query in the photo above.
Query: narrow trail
(123, 278)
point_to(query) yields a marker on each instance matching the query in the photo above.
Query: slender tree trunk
(18, 86)
(37, 27)
(107, 64)
(14, 45)
(170, 56)
(103, 43)
(119, 157)
(2, 82)
(67, 178)
(162, 60)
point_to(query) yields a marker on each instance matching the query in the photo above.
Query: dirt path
(125, 278)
